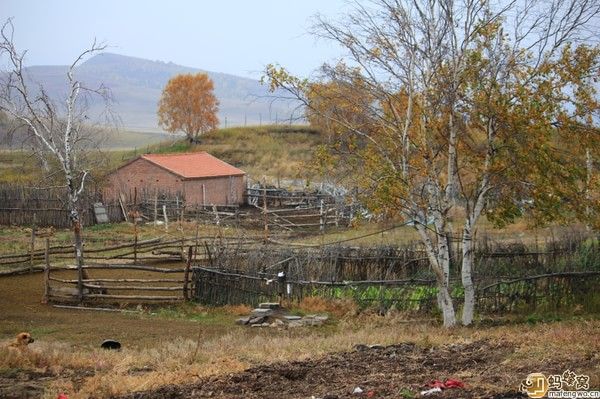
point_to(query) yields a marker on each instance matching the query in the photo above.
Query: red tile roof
(193, 165)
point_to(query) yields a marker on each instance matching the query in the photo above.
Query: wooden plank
(131, 287)
(137, 297)
(100, 213)
(96, 309)
(121, 280)
(127, 267)
(186, 277)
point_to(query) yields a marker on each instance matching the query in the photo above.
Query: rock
(363, 347)
(257, 320)
(242, 321)
(262, 312)
(277, 323)
(357, 391)
(311, 322)
(295, 323)
(291, 318)
(322, 318)
(261, 325)
(269, 305)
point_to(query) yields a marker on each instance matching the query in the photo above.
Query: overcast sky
(232, 36)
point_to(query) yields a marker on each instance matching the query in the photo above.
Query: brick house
(200, 177)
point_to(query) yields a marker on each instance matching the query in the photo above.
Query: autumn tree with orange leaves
(189, 105)
(460, 107)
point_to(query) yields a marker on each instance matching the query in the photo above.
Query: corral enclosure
(558, 275)
(280, 209)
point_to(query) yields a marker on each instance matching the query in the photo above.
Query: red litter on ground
(448, 384)
(62, 396)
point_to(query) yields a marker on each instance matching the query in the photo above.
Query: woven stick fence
(564, 274)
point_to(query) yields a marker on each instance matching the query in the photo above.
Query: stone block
(295, 323)
(269, 305)
(242, 321)
(257, 320)
(262, 312)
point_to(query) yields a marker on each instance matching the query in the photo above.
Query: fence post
(321, 220)
(265, 211)
(186, 275)
(31, 260)
(155, 208)
(46, 272)
(164, 209)
(135, 238)
(282, 285)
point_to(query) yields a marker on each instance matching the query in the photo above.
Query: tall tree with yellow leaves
(460, 108)
(188, 104)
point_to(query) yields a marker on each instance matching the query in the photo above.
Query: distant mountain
(136, 85)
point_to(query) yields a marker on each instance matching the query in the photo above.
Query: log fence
(60, 289)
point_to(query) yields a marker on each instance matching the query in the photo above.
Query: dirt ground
(21, 310)
(394, 371)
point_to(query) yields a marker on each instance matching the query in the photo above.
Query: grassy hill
(274, 152)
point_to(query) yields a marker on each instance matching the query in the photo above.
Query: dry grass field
(189, 344)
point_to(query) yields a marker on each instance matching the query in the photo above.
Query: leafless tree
(60, 131)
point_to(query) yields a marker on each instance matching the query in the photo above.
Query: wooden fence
(273, 209)
(542, 293)
(270, 209)
(154, 250)
(545, 292)
(43, 207)
(123, 283)
(508, 278)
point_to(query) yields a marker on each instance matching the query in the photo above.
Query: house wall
(145, 175)
(224, 190)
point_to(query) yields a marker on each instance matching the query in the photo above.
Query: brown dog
(21, 341)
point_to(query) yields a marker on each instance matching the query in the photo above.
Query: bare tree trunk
(440, 268)
(447, 306)
(466, 275)
(444, 297)
(78, 241)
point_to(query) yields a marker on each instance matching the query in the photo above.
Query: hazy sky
(232, 36)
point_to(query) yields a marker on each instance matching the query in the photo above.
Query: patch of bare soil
(28, 384)
(396, 371)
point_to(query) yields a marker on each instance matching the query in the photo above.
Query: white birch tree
(461, 104)
(59, 130)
